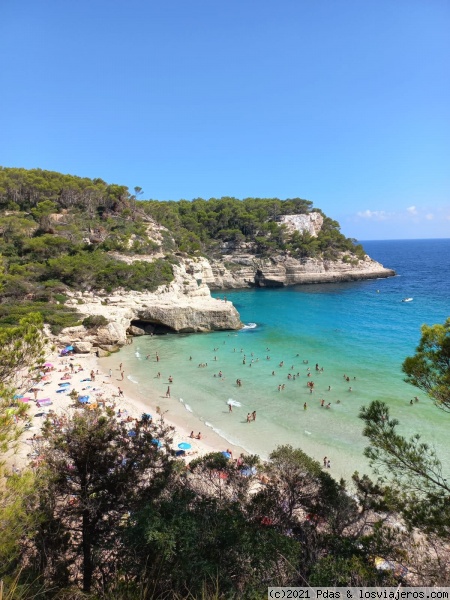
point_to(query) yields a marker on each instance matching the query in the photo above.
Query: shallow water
(360, 329)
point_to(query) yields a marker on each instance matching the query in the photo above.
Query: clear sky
(345, 103)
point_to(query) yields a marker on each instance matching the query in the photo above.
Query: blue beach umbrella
(184, 446)
(226, 454)
(248, 471)
(156, 443)
(132, 433)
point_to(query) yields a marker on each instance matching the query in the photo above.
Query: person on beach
(157, 357)
(110, 372)
(328, 464)
(249, 417)
(254, 415)
(325, 461)
(168, 392)
(230, 408)
(192, 434)
(120, 392)
(199, 436)
(122, 375)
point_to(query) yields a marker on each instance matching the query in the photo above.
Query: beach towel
(44, 402)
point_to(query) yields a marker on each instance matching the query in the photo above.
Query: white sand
(103, 389)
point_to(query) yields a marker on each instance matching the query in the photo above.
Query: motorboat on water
(407, 300)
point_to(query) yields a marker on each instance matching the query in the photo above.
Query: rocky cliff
(186, 305)
(183, 306)
(246, 270)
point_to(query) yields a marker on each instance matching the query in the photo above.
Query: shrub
(95, 321)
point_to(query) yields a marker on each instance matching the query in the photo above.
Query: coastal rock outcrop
(185, 305)
(246, 270)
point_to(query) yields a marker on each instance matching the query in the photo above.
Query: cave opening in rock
(139, 327)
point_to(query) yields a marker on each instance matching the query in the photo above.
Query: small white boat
(407, 300)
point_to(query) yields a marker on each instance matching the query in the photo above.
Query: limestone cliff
(183, 306)
(246, 270)
(186, 305)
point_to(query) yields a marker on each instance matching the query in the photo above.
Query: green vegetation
(59, 233)
(201, 226)
(429, 368)
(107, 514)
(95, 321)
(62, 233)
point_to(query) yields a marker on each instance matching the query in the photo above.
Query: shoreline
(210, 441)
(106, 386)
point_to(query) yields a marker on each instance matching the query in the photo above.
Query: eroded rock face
(311, 223)
(278, 271)
(185, 305)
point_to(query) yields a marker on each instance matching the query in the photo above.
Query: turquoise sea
(360, 329)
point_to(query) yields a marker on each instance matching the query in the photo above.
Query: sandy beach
(73, 372)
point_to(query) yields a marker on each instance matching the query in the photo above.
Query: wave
(137, 354)
(249, 326)
(186, 406)
(308, 432)
(133, 379)
(233, 402)
(230, 439)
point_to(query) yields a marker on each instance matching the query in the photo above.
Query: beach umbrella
(132, 433)
(180, 453)
(226, 454)
(17, 396)
(47, 364)
(184, 446)
(156, 442)
(248, 471)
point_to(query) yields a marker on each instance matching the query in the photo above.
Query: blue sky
(345, 103)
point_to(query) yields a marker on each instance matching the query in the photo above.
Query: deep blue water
(360, 329)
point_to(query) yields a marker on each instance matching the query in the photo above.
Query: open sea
(360, 329)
